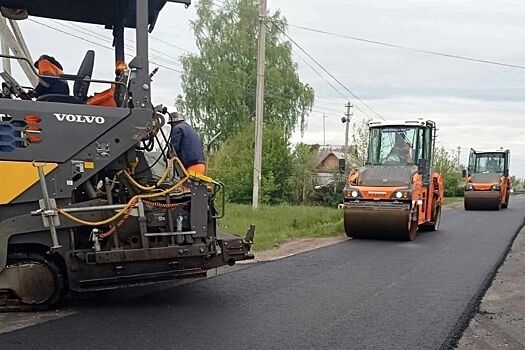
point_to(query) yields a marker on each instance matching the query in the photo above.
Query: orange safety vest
(45, 67)
(104, 98)
(107, 97)
(198, 168)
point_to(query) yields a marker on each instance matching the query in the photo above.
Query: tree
(360, 138)
(446, 164)
(517, 183)
(331, 194)
(233, 165)
(219, 82)
(303, 172)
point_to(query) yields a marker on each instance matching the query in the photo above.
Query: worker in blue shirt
(187, 144)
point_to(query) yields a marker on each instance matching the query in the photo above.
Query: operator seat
(80, 88)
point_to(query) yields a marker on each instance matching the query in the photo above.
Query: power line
(327, 81)
(236, 14)
(222, 5)
(365, 116)
(320, 111)
(70, 34)
(86, 31)
(326, 71)
(158, 40)
(89, 32)
(151, 37)
(110, 41)
(169, 44)
(98, 44)
(320, 75)
(332, 110)
(328, 108)
(428, 52)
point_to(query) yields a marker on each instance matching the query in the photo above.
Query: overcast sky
(474, 104)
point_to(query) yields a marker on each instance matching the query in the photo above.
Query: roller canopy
(105, 12)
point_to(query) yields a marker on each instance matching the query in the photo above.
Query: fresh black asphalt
(352, 295)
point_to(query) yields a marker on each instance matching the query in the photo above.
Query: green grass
(448, 201)
(277, 224)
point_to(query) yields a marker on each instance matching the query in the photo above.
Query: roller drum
(482, 200)
(379, 221)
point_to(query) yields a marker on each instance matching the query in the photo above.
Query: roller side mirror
(422, 165)
(342, 166)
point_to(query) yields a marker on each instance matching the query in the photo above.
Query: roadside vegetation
(276, 224)
(450, 201)
(447, 164)
(280, 223)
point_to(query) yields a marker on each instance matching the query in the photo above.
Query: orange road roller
(488, 184)
(396, 192)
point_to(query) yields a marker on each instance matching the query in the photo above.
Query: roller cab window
(489, 163)
(395, 146)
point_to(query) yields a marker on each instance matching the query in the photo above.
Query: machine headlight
(469, 187)
(352, 193)
(495, 187)
(402, 194)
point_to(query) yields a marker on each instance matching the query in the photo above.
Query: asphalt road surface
(352, 295)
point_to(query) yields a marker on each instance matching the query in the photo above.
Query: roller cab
(488, 183)
(395, 193)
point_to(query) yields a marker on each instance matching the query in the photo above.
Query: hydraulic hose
(133, 201)
(129, 206)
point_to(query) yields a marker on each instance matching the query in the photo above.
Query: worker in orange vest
(49, 66)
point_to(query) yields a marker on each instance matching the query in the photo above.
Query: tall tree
(446, 164)
(303, 172)
(517, 183)
(233, 165)
(360, 138)
(219, 82)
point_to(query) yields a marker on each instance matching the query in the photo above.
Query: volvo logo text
(77, 118)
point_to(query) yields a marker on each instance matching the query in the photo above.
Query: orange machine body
(422, 198)
(488, 187)
(396, 193)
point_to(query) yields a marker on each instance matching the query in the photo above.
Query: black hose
(162, 154)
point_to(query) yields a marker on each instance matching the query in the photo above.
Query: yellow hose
(160, 182)
(133, 201)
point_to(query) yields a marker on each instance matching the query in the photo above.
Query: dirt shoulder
(293, 247)
(499, 324)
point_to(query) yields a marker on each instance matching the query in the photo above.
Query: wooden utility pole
(459, 156)
(346, 120)
(259, 105)
(324, 130)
